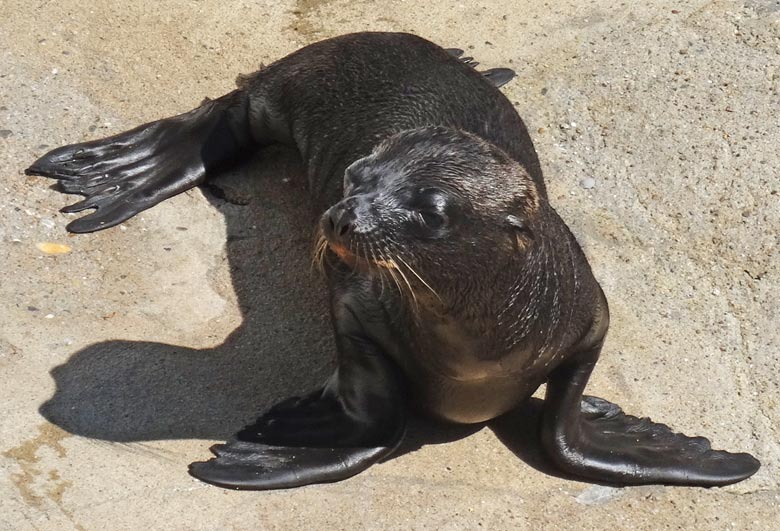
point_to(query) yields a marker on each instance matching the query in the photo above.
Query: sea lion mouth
(342, 252)
(336, 231)
(347, 256)
(393, 269)
(343, 232)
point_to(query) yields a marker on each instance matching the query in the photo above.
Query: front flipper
(124, 174)
(254, 466)
(592, 438)
(358, 418)
(300, 442)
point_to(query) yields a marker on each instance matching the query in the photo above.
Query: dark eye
(432, 220)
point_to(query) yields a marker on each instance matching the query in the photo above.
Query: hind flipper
(124, 174)
(592, 438)
(499, 76)
(455, 52)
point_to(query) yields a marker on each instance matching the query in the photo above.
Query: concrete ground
(123, 358)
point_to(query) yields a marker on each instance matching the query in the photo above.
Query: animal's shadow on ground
(139, 391)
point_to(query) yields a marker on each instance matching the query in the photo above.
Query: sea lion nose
(340, 220)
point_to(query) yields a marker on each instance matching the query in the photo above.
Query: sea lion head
(442, 210)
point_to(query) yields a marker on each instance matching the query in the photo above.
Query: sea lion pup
(454, 284)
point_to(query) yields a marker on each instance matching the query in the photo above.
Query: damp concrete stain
(306, 22)
(26, 456)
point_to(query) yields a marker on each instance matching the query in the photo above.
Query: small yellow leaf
(53, 248)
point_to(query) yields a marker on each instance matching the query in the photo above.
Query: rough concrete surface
(121, 360)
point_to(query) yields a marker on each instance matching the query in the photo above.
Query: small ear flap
(523, 232)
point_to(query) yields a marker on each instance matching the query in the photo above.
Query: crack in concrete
(752, 491)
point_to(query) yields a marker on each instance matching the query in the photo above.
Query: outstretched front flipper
(358, 418)
(592, 438)
(124, 174)
(254, 466)
(300, 442)
(320, 438)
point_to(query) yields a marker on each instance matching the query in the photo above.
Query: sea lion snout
(351, 215)
(338, 221)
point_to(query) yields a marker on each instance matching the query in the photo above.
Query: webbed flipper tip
(499, 76)
(612, 446)
(256, 466)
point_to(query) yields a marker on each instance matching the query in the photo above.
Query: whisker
(401, 291)
(386, 270)
(406, 280)
(397, 249)
(318, 252)
(410, 268)
(391, 270)
(352, 251)
(380, 273)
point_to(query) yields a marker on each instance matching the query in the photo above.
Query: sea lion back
(352, 92)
